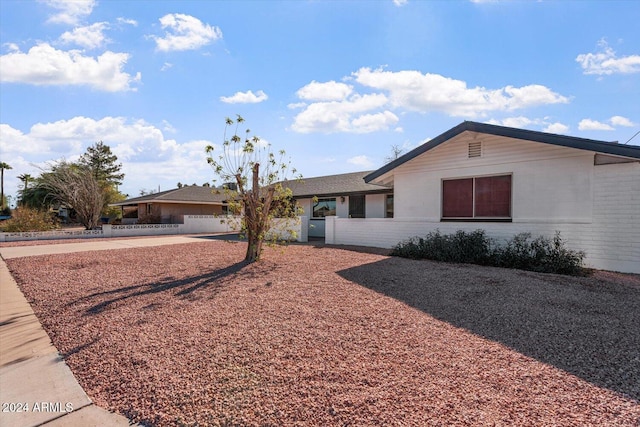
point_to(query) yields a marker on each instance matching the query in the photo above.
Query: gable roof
(529, 135)
(335, 185)
(187, 194)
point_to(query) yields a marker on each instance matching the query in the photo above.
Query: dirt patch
(188, 335)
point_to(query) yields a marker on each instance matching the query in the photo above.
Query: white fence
(286, 229)
(50, 235)
(140, 230)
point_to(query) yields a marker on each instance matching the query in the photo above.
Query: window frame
(386, 206)
(320, 200)
(352, 206)
(474, 217)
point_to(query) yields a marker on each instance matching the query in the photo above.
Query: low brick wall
(193, 224)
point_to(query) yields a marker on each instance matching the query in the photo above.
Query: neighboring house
(171, 205)
(345, 195)
(507, 181)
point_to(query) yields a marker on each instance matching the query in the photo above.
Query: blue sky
(334, 83)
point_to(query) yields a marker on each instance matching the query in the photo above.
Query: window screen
(493, 196)
(356, 207)
(457, 198)
(481, 197)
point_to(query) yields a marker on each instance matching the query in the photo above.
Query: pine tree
(103, 163)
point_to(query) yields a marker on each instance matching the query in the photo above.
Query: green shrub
(541, 254)
(29, 219)
(149, 219)
(463, 247)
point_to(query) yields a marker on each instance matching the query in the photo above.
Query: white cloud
(557, 128)
(168, 127)
(337, 116)
(367, 123)
(529, 96)
(606, 62)
(127, 21)
(11, 47)
(45, 65)
(400, 2)
(90, 37)
(185, 32)
(141, 147)
(70, 11)
(14, 142)
(415, 91)
(621, 121)
(247, 97)
(588, 124)
(361, 161)
(522, 122)
(128, 138)
(296, 105)
(328, 91)
(166, 66)
(337, 107)
(514, 122)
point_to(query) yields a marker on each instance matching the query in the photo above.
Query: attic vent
(475, 149)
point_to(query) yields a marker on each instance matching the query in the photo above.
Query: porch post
(330, 230)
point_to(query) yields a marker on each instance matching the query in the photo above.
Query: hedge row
(542, 254)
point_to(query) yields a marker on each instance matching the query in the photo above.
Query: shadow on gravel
(79, 348)
(588, 326)
(181, 287)
(229, 237)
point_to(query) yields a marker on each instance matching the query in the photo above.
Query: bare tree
(396, 152)
(257, 187)
(76, 187)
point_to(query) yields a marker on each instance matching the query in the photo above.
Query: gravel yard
(187, 335)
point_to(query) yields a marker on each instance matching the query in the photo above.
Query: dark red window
(457, 198)
(482, 197)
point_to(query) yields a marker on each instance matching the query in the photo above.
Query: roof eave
(604, 147)
(183, 202)
(382, 190)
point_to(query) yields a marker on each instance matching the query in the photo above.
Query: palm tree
(25, 178)
(3, 166)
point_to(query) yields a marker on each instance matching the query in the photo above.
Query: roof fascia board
(345, 193)
(417, 151)
(157, 202)
(523, 134)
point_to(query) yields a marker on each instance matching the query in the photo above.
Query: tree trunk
(253, 219)
(2, 187)
(254, 250)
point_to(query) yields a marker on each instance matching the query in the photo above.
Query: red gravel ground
(187, 335)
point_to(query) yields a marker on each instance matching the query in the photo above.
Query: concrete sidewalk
(36, 386)
(97, 245)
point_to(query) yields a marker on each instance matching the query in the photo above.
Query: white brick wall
(610, 238)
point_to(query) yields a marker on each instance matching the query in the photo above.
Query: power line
(632, 137)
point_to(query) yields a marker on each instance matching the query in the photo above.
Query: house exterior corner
(508, 182)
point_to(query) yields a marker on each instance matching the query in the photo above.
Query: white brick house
(507, 181)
